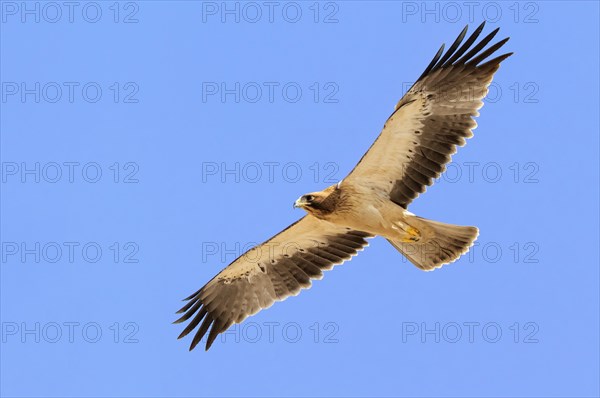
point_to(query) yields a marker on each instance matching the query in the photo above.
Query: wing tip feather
(470, 51)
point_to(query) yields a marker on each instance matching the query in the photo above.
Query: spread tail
(439, 243)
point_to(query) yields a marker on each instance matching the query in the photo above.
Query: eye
(309, 198)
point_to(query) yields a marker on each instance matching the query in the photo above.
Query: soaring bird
(434, 117)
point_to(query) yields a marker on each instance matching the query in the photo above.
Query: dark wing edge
(473, 58)
(459, 69)
(223, 302)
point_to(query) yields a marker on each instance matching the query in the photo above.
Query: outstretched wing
(270, 272)
(434, 116)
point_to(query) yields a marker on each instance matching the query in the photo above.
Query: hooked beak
(299, 203)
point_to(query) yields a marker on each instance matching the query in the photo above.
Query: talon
(413, 235)
(413, 231)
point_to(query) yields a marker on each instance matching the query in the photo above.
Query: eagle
(434, 117)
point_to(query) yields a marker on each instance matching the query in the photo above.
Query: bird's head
(319, 203)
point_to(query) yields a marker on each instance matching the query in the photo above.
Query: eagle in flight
(434, 117)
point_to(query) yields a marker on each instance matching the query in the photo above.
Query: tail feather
(439, 244)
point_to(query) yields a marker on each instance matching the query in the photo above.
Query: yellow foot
(413, 235)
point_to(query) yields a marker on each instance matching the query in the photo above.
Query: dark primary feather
(477, 47)
(459, 71)
(454, 46)
(225, 301)
(452, 55)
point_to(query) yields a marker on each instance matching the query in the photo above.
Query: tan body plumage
(434, 117)
(361, 208)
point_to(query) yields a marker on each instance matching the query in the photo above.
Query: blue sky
(144, 145)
